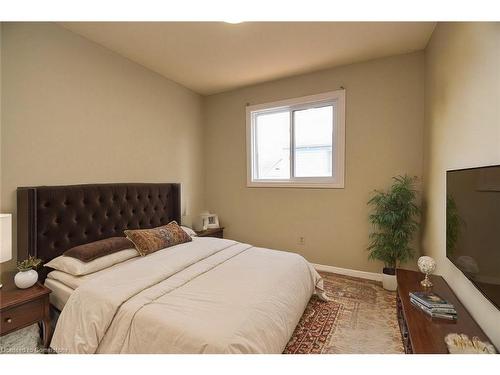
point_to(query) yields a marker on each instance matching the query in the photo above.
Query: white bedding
(60, 293)
(75, 281)
(63, 284)
(205, 296)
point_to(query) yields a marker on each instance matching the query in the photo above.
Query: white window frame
(335, 98)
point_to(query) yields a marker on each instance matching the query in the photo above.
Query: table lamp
(5, 239)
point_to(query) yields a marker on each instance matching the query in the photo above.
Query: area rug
(360, 318)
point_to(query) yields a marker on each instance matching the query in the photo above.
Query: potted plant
(394, 222)
(27, 276)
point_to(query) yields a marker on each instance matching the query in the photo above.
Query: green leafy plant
(394, 221)
(453, 224)
(28, 264)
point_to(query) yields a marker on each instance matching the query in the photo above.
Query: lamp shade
(5, 237)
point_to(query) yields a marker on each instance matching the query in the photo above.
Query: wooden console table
(421, 333)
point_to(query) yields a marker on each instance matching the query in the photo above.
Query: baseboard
(349, 272)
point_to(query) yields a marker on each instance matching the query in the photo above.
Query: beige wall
(75, 112)
(462, 97)
(384, 130)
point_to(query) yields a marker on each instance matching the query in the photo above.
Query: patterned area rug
(361, 318)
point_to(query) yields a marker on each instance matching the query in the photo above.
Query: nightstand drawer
(20, 316)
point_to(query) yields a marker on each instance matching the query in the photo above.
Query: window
(297, 142)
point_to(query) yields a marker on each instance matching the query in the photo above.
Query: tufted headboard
(53, 219)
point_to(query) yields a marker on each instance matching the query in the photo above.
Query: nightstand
(212, 232)
(21, 308)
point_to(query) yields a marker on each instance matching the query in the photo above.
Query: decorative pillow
(148, 241)
(189, 231)
(76, 267)
(97, 249)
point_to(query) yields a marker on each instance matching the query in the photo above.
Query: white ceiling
(211, 57)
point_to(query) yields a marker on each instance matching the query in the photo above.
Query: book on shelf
(439, 310)
(433, 314)
(431, 300)
(444, 316)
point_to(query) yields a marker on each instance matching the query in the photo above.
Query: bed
(209, 295)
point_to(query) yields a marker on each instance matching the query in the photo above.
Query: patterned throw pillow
(148, 241)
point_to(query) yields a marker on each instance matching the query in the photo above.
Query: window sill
(300, 185)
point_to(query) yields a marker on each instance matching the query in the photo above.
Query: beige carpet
(361, 318)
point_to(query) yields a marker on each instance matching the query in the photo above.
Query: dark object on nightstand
(21, 308)
(212, 232)
(421, 333)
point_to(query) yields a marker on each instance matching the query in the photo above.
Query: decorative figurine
(426, 265)
(462, 344)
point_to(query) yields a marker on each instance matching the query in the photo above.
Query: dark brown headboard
(53, 219)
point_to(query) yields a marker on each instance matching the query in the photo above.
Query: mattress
(60, 293)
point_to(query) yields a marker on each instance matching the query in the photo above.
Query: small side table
(21, 308)
(212, 232)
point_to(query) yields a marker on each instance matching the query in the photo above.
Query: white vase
(389, 282)
(26, 279)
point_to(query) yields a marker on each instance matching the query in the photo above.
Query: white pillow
(76, 267)
(189, 231)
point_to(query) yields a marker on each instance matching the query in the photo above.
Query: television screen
(473, 226)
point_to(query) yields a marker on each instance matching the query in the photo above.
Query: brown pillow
(97, 249)
(148, 241)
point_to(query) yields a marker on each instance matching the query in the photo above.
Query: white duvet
(205, 296)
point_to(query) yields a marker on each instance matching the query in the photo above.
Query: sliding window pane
(313, 142)
(272, 141)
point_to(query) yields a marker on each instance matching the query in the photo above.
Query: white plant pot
(389, 282)
(26, 279)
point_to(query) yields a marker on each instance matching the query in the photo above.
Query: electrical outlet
(301, 240)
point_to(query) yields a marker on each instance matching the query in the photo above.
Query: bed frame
(53, 219)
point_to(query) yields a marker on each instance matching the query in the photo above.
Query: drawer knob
(8, 320)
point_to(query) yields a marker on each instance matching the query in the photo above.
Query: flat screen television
(473, 226)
